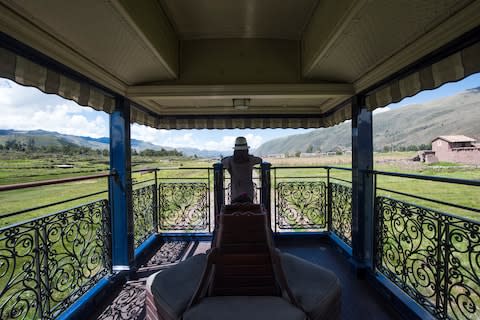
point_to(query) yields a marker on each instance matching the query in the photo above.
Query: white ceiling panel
(271, 19)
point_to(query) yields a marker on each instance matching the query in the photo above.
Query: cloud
(381, 110)
(25, 108)
(191, 138)
(4, 83)
(148, 134)
(227, 142)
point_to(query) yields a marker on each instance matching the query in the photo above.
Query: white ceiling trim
(253, 90)
(458, 24)
(131, 23)
(25, 31)
(338, 30)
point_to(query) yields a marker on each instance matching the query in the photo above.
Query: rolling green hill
(410, 125)
(42, 138)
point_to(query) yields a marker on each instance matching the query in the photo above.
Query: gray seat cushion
(173, 288)
(315, 288)
(241, 308)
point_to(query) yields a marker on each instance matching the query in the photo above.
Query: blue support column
(362, 186)
(218, 191)
(265, 195)
(120, 192)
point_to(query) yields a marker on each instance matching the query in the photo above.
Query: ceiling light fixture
(241, 104)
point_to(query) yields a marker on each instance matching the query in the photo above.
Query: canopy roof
(459, 138)
(183, 62)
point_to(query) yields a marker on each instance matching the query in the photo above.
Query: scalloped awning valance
(454, 67)
(28, 73)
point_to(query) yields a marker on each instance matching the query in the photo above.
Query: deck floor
(359, 300)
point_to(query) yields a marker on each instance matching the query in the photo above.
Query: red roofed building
(456, 149)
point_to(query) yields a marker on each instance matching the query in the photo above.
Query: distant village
(458, 149)
(453, 148)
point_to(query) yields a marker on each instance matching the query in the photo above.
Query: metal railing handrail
(147, 170)
(13, 225)
(312, 167)
(25, 185)
(11, 214)
(183, 168)
(453, 205)
(466, 182)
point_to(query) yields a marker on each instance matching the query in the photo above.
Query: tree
(31, 145)
(310, 149)
(424, 146)
(297, 154)
(14, 145)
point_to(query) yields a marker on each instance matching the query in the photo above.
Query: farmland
(19, 168)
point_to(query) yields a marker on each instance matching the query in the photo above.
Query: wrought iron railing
(257, 186)
(340, 202)
(184, 199)
(301, 205)
(303, 201)
(433, 256)
(144, 212)
(228, 191)
(48, 262)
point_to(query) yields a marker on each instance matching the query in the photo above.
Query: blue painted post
(329, 202)
(218, 191)
(155, 202)
(120, 192)
(362, 186)
(265, 195)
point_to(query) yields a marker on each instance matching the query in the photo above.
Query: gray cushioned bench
(316, 289)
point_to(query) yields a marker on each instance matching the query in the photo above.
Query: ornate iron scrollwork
(228, 192)
(144, 213)
(301, 205)
(183, 206)
(47, 263)
(341, 204)
(433, 256)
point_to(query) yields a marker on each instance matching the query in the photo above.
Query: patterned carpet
(130, 301)
(359, 299)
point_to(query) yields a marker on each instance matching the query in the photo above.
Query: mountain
(410, 125)
(47, 138)
(201, 153)
(43, 138)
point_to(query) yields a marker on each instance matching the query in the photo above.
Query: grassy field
(18, 169)
(15, 168)
(399, 162)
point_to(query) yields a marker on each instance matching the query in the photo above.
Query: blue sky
(25, 108)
